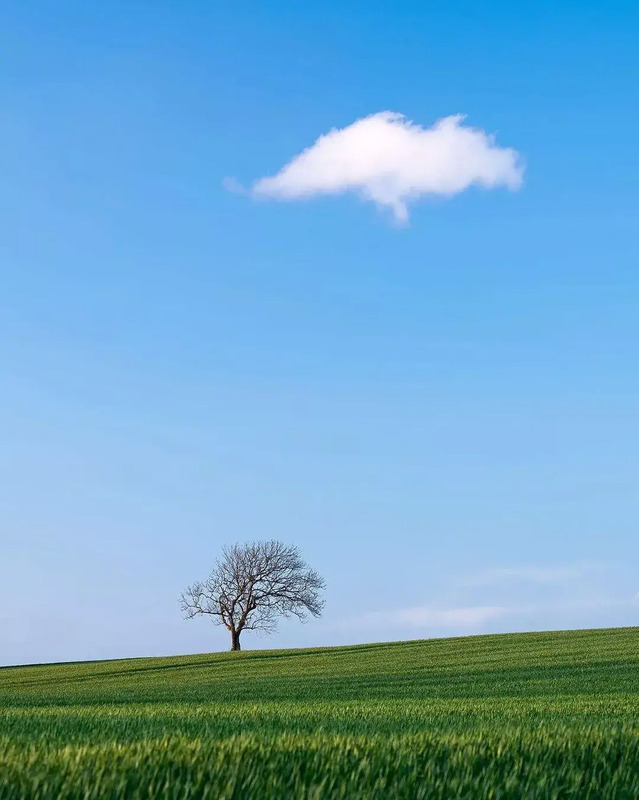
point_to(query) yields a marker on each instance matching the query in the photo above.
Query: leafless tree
(252, 585)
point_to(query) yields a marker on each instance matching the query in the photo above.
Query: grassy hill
(540, 715)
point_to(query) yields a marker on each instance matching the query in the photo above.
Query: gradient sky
(442, 415)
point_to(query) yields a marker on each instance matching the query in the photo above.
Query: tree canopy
(254, 584)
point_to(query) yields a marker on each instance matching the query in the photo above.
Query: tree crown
(253, 584)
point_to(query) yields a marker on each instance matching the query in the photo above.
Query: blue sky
(441, 414)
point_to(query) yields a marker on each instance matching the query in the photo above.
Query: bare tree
(252, 585)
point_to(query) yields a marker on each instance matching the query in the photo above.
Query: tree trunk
(235, 640)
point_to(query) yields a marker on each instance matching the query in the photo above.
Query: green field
(541, 715)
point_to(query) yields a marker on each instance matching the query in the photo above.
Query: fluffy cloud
(392, 161)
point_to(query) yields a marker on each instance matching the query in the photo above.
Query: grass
(542, 715)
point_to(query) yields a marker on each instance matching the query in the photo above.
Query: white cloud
(526, 597)
(429, 617)
(390, 160)
(541, 575)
